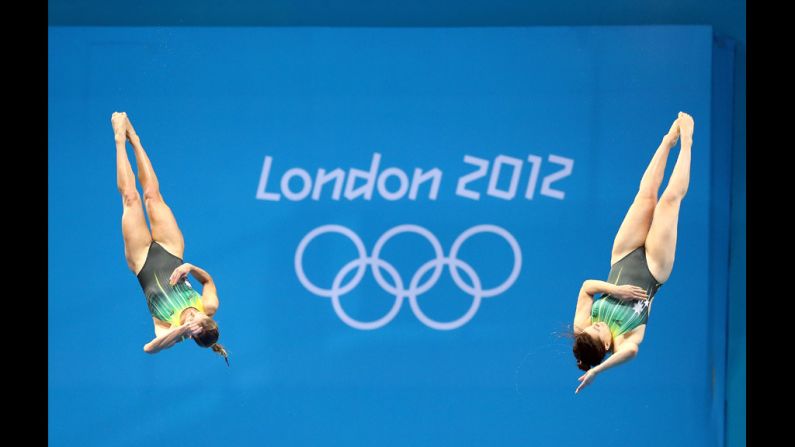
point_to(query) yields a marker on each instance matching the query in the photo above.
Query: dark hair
(588, 351)
(208, 338)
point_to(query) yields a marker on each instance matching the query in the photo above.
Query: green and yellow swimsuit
(166, 302)
(622, 316)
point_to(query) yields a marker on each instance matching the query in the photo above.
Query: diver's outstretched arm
(625, 352)
(168, 337)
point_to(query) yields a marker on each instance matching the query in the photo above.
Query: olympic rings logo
(415, 288)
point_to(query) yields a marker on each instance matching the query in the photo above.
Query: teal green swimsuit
(622, 316)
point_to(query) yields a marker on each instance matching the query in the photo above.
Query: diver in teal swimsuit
(642, 260)
(178, 311)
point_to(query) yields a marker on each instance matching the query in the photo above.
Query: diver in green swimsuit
(642, 260)
(178, 311)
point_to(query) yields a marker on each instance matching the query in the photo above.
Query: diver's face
(600, 333)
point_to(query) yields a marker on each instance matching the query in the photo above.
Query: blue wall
(726, 17)
(212, 105)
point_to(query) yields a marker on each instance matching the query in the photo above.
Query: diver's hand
(629, 292)
(191, 329)
(586, 379)
(180, 273)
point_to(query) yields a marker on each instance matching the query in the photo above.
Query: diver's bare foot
(686, 127)
(119, 122)
(673, 133)
(131, 135)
